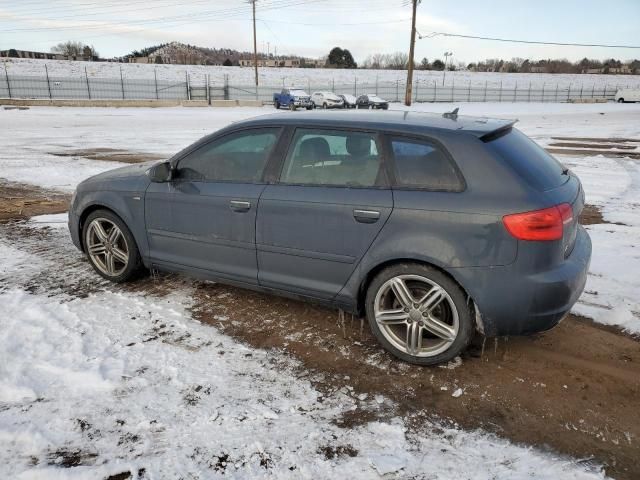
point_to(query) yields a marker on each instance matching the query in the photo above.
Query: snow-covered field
(91, 382)
(274, 77)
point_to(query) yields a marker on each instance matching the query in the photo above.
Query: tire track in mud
(574, 389)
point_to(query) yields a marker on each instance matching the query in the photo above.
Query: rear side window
(332, 157)
(422, 164)
(529, 160)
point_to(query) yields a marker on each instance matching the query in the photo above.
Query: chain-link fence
(96, 88)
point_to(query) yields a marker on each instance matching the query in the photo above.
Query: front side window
(421, 164)
(327, 157)
(237, 157)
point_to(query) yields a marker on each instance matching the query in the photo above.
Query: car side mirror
(161, 172)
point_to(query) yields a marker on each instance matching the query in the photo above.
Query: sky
(312, 27)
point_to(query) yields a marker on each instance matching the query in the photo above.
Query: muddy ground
(19, 201)
(573, 390)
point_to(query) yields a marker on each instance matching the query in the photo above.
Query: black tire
(292, 107)
(324, 105)
(456, 297)
(277, 105)
(310, 107)
(621, 100)
(134, 264)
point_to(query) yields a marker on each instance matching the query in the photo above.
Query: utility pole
(407, 96)
(444, 70)
(255, 43)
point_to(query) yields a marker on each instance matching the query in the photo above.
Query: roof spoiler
(499, 131)
(452, 115)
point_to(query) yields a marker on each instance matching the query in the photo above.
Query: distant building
(592, 70)
(286, 62)
(39, 55)
(624, 69)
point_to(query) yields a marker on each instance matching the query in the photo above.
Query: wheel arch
(88, 210)
(376, 269)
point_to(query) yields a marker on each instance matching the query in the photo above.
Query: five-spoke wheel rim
(107, 247)
(416, 315)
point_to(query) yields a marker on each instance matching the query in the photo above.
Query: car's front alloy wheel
(110, 247)
(107, 247)
(419, 314)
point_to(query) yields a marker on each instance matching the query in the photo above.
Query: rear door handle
(239, 205)
(366, 216)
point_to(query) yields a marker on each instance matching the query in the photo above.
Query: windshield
(375, 98)
(299, 93)
(349, 98)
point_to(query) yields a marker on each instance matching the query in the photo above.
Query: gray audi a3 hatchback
(432, 226)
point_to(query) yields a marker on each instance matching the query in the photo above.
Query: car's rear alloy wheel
(110, 247)
(419, 314)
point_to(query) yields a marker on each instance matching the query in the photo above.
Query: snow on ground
(115, 381)
(304, 76)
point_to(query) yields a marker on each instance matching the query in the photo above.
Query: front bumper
(74, 229)
(511, 302)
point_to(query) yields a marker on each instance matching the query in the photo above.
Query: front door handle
(239, 205)
(366, 216)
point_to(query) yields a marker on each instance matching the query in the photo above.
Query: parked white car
(349, 100)
(628, 95)
(326, 100)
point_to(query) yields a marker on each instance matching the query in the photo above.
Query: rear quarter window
(421, 164)
(530, 161)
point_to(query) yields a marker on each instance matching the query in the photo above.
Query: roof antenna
(453, 115)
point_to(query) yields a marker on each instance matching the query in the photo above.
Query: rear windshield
(529, 160)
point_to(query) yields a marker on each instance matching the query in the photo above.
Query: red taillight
(541, 225)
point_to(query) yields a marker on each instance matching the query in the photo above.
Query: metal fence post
(355, 86)
(469, 92)
(186, 74)
(542, 92)
(515, 93)
(581, 87)
(397, 87)
(415, 97)
(333, 84)
(376, 84)
(121, 82)
(604, 92)
(226, 86)
(500, 97)
(86, 77)
(485, 91)
(569, 93)
(529, 97)
(46, 71)
(593, 87)
(6, 74)
(435, 91)
(556, 92)
(155, 80)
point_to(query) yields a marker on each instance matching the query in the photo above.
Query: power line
(535, 42)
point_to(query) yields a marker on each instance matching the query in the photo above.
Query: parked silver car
(326, 100)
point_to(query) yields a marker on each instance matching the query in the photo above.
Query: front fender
(128, 205)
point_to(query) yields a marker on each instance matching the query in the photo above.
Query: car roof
(387, 120)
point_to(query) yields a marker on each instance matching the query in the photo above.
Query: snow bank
(319, 78)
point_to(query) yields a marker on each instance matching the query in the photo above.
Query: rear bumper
(515, 303)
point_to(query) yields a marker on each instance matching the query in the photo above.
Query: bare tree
(397, 61)
(69, 48)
